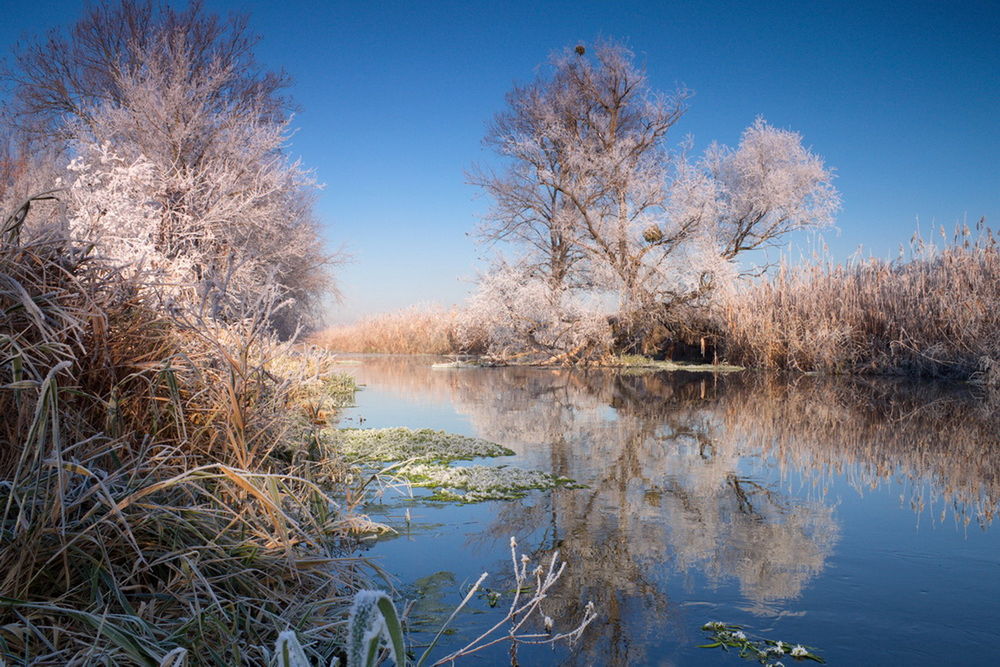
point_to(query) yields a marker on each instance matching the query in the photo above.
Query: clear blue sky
(902, 98)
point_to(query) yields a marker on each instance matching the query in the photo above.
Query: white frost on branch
(767, 187)
(180, 164)
(514, 310)
(597, 206)
(109, 204)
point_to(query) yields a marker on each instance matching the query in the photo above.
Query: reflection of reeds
(413, 330)
(929, 433)
(406, 376)
(938, 313)
(940, 438)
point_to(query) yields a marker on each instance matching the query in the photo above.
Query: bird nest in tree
(652, 234)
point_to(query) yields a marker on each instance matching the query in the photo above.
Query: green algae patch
(472, 484)
(389, 445)
(422, 457)
(637, 363)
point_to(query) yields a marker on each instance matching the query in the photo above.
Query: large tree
(594, 200)
(587, 160)
(177, 140)
(73, 72)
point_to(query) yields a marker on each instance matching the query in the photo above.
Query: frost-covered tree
(596, 201)
(178, 155)
(586, 170)
(750, 197)
(514, 312)
(71, 73)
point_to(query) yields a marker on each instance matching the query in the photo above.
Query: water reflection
(722, 480)
(942, 438)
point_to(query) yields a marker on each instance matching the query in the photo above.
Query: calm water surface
(852, 516)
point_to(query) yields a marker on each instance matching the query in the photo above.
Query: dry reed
(413, 330)
(936, 313)
(161, 487)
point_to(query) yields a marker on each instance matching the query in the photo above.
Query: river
(850, 515)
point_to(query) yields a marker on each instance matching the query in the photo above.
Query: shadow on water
(699, 484)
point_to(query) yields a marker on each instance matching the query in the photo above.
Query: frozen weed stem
(531, 589)
(374, 627)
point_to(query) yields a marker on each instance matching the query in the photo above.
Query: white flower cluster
(401, 444)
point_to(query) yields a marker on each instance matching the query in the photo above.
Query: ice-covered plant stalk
(373, 623)
(288, 651)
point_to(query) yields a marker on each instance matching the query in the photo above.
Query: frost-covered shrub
(516, 311)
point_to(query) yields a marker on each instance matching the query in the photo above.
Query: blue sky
(902, 98)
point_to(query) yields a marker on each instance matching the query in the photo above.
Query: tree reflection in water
(682, 481)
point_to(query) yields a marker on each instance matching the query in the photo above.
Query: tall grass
(413, 330)
(162, 483)
(935, 312)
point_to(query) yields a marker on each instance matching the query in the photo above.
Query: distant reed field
(413, 330)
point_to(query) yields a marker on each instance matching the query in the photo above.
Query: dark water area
(854, 516)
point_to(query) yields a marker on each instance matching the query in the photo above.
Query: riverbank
(934, 312)
(164, 491)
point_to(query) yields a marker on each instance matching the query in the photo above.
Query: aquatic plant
(383, 445)
(421, 458)
(481, 482)
(764, 651)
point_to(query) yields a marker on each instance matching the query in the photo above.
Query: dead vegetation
(934, 313)
(160, 486)
(413, 330)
